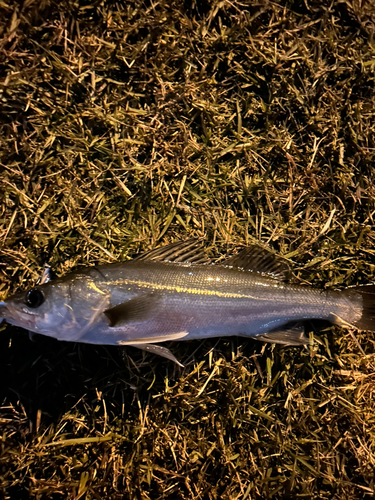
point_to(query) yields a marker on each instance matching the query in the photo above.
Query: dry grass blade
(126, 125)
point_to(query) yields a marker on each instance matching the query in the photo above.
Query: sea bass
(175, 293)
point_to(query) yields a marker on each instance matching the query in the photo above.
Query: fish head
(41, 309)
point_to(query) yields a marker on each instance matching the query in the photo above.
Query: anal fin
(290, 336)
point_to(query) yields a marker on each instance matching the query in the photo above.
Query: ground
(127, 125)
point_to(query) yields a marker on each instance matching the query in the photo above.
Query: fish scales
(261, 297)
(151, 299)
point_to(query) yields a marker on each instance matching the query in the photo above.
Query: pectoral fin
(137, 309)
(291, 336)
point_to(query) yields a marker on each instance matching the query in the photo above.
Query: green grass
(127, 125)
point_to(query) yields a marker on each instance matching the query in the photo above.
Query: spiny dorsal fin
(257, 259)
(189, 251)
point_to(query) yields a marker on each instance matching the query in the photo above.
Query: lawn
(126, 125)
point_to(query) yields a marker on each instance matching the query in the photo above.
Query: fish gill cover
(127, 125)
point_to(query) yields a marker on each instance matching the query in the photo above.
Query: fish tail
(367, 320)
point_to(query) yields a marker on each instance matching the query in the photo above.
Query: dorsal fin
(257, 259)
(189, 251)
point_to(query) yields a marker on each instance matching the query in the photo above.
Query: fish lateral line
(193, 291)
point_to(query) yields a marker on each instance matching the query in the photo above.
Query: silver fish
(175, 293)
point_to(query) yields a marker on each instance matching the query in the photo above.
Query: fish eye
(34, 298)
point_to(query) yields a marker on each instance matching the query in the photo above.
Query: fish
(176, 292)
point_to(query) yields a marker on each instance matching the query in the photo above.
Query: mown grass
(127, 125)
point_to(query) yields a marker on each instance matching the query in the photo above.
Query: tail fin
(367, 320)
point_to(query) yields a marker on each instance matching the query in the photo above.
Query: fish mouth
(16, 317)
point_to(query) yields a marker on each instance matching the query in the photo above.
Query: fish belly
(191, 316)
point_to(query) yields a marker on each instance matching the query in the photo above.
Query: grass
(127, 125)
